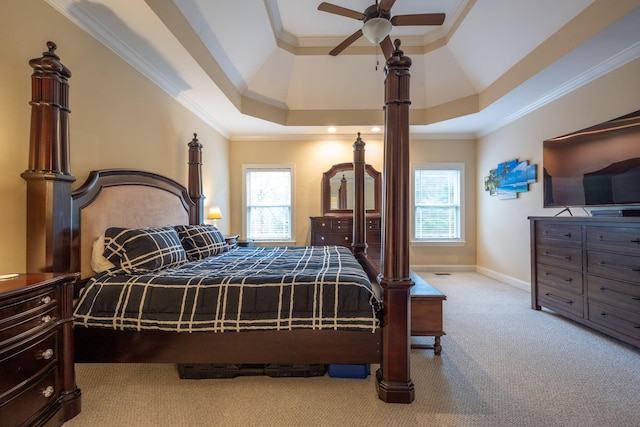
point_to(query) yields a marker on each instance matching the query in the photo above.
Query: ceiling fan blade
(387, 47)
(419, 19)
(342, 46)
(339, 10)
(386, 4)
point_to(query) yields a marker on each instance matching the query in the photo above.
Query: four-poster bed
(64, 225)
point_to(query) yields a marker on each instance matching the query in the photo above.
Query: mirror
(338, 189)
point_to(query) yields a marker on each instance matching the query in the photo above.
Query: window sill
(438, 243)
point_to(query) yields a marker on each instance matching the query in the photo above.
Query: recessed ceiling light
(375, 129)
(331, 129)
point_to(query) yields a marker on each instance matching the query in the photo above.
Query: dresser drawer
(560, 300)
(559, 234)
(342, 225)
(560, 278)
(623, 294)
(618, 266)
(620, 320)
(621, 239)
(560, 256)
(332, 239)
(27, 361)
(12, 306)
(321, 224)
(29, 402)
(18, 326)
(374, 224)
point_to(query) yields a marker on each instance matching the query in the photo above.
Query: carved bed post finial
(359, 244)
(195, 180)
(48, 174)
(394, 377)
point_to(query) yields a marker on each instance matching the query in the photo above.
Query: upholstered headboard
(123, 198)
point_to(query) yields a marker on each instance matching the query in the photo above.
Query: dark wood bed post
(359, 244)
(394, 376)
(48, 176)
(196, 216)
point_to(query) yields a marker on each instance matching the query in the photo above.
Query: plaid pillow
(143, 250)
(201, 241)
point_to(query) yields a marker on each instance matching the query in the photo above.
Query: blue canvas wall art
(510, 178)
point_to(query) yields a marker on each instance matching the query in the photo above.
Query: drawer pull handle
(46, 355)
(546, 253)
(566, 279)
(48, 392)
(567, 235)
(46, 319)
(635, 240)
(566, 301)
(46, 300)
(635, 298)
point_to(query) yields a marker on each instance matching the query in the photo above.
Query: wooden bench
(426, 313)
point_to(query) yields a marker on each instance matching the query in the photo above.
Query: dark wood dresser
(338, 230)
(588, 269)
(37, 384)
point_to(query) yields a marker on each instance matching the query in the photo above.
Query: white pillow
(98, 262)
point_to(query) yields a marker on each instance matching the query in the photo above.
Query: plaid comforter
(283, 288)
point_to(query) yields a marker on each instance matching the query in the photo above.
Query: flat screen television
(597, 166)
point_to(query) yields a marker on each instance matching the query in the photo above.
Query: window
(268, 204)
(437, 196)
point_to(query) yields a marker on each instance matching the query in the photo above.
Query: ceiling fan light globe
(376, 29)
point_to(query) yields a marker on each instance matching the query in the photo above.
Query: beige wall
(313, 157)
(449, 256)
(119, 119)
(503, 228)
(310, 158)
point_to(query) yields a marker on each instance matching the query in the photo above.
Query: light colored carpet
(502, 364)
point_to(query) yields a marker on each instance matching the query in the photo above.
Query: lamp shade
(376, 29)
(214, 213)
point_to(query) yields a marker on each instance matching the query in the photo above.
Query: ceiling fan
(378, 22)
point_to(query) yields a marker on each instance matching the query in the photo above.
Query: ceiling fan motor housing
(373, 12)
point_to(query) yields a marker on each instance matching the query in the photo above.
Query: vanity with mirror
(335, 226)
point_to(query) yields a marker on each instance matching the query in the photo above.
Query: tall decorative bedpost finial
(48, 174)
(195, 180)
(359, 244)
(394, 376)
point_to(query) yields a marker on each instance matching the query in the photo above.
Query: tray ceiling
(260, 68)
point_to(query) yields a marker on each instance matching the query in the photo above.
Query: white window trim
(438, 242)
(246, 167)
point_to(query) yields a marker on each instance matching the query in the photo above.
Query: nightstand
(245, 243)
(426, 313)
(37, 385)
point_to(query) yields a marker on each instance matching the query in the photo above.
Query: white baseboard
(517, 283)
(520, 284)
(444, 268)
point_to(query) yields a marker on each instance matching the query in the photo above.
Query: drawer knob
(346, 238)
(48, 392)
(46, 300)
(46, 355)
(46, 319)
